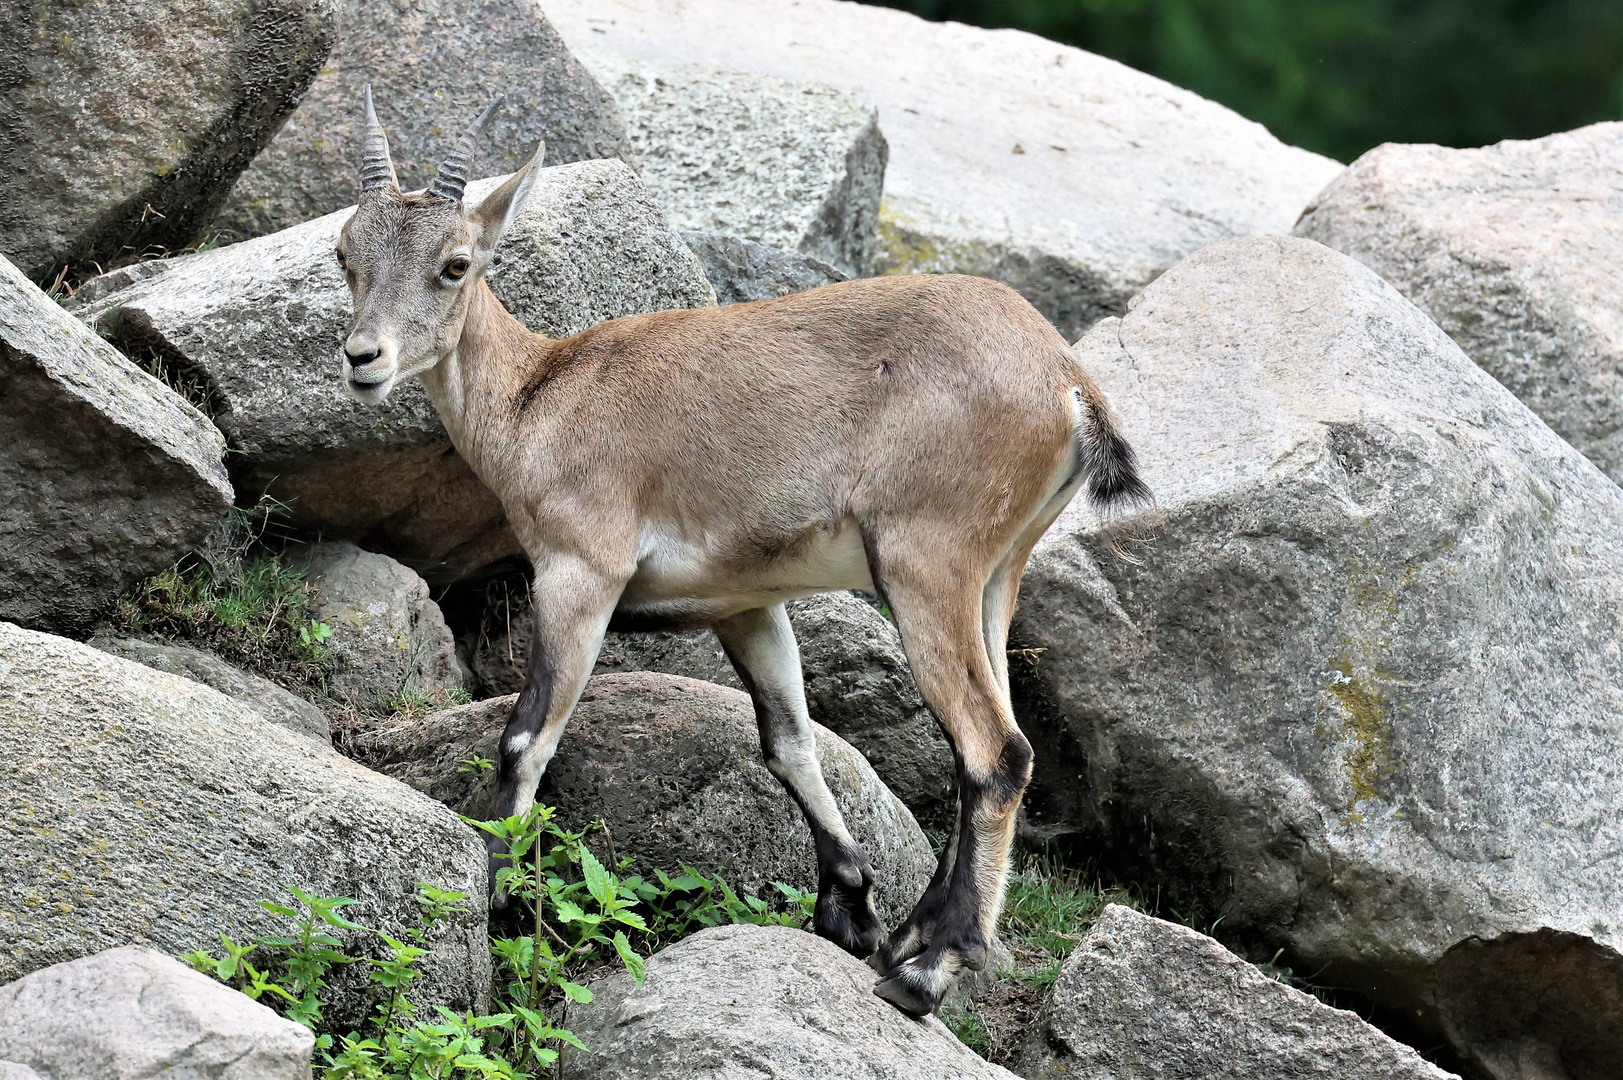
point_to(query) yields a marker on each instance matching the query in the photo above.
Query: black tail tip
(1114, 482)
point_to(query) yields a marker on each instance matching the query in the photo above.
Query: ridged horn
(377, 168)
(452, 178)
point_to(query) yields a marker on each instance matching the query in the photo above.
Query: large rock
(1071, 177)
(274, 703)
(1359, 693)
(135, 1014)
(741, 1002)
(1514, 250)
(106, 475)
(432, 65)
(857, 681)
(124, 125)
(858, 684)
(143, 808)
(743, 270)
(673, 766)
(797, 166)
(388, 635)
(1144, 998)
(263, 322)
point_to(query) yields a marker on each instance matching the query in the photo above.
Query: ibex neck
(472, 388)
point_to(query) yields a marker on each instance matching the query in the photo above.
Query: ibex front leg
(572, 603)
(761, 646)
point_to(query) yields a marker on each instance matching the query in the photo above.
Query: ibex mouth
(371, 375)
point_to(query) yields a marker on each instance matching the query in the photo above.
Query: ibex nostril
(360, 359)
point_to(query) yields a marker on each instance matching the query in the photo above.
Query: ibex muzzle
(911, 435)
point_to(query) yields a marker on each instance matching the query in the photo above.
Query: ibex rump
(910, 435)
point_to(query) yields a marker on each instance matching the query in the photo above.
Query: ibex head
(412, 260)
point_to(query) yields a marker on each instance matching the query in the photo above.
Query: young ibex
(909, 435)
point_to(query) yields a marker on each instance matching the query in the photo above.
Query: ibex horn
(377, 169)
(453, 175)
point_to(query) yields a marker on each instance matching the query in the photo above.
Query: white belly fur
(673, 570)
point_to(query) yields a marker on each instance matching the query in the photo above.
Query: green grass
(255, 614)
(1048, 909)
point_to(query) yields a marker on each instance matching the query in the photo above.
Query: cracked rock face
(1359, 695)
(432, 65)
(262, 323)
(1514, 250)
(124, 125)
(790, 165)
(388, 635)
(106, 474)
(1071, 177)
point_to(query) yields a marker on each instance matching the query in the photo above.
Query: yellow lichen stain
(1363, 703)
(906, 247)
(1360, 684)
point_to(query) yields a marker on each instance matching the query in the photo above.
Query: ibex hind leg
(938, 610)
(761, 646)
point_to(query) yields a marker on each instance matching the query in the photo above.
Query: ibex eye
(455, 269)
(341, 261)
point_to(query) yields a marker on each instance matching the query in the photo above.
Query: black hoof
(904, 993)
(846, 916)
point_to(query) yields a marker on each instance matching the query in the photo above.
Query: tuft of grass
(970, 1029)
(255, 614)
(1048, 909)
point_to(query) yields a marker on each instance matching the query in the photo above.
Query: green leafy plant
(313, 639)
(582, 916)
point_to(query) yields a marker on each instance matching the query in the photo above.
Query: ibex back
(910, 435)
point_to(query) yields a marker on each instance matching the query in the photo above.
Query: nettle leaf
(632, 919)
(575, 992)
(569, 911)
(633, 962)
(598, 880)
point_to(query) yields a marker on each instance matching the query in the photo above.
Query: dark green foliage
(1341, 76)
(581, 917)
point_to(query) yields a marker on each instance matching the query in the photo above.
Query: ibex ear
(501, 206)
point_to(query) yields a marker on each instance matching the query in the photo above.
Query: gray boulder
(388, 635)
(1513, 249)
(1071, 177)
(280, 706)
(742, 270)
(1357, 693)
(11, 1070)
(858, 684)
(1143, 998)
(135, 1014)
(123, 126)
(143, 808)
(673, 766)
(745, 1002)
(263, 321)
(433, 65)
(790, 165)
(106, 474)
